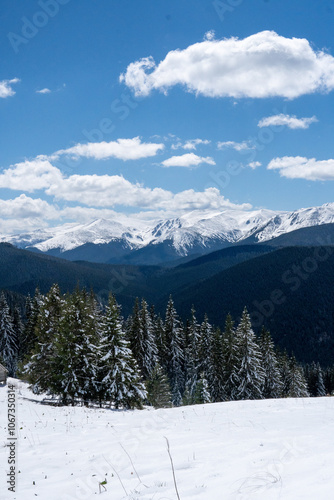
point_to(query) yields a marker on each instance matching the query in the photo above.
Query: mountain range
(130, 240)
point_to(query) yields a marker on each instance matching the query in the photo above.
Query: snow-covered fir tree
(8, 338)
(231, 362)
(158, 389)
(297, 382)
(214, 362)
(76, 347)
(192, 357)
(272, 385)
(202, 394)
(29, 337)
(250, 373)
(173, 335)
(119, 375)
(42, 369)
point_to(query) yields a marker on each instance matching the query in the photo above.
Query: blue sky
(239, 117)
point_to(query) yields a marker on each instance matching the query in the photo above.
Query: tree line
(79, 352)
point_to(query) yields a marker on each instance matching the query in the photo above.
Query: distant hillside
(300, 281)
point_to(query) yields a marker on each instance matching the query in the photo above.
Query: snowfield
(268, 449)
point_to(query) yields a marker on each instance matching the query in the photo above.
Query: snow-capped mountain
(192, 233)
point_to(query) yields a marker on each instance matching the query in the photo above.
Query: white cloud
(123, 149)
(26, 207)
(30, 176)
(254, 164)
(6, 87)
(104, 191)
(238, 146)
(43, 91)
(259, 66)
(286, 120)
(191, 144)
(297, 167)
(188, 160)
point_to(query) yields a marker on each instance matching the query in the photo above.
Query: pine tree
(141, 334)
(173, 336)
(158, 389)
(192, 361)
(272, 386)
(284, 369)
(202, 394)
(42, 369)
(320, 386)
(119, 373)
(8, 338)
(214, 370)
(250, 373)
(297, 382)
(231, 360)
(29, 337)
(76, 348)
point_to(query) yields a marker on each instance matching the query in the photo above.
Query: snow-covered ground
(236, 450)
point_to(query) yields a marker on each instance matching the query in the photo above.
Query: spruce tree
(192, 360)
(29, 337)
(158, 389)
(119, 374)
(231, 360)
(202, 394)
(76, 350)
(175, 357)
(8, 338)
(297, 382)
(250, 373)
(214, 371)
(272, 385)
(42, 369)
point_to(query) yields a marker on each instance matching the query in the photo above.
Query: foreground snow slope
(237, 450)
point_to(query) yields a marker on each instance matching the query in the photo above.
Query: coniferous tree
(192, 360)
(29, 337)
(231, 360)
(76, 349)
(284, 369)
(272, 385)
(215, 364)
(250, 373)
(202, 394)
(8, 338)
(175, 357)
(119, 374)
(42, 369)
(320, 386)
(297, 382)
(158, 389)
(18, 329)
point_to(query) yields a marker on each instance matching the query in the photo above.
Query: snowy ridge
(200, 229)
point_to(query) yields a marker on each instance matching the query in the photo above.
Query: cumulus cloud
(187, 160)
(30, 175)
(254, 164)
(123, 149)
(43, 91)
(298, 167)
(191, 144)
(238, 146)
(286, 120)
(6, 87)
(259, 66)
(106, 191)
(26, 207)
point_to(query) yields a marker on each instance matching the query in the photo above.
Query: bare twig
(120, 480)
(171, 461)
(132, 465)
